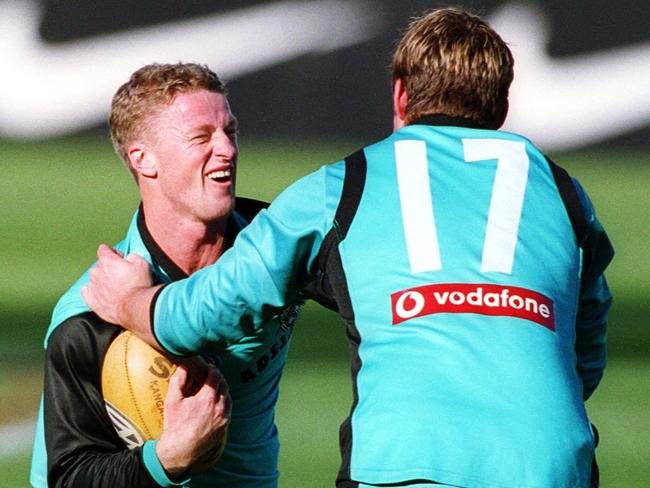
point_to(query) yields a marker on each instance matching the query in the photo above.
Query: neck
(190, 244)
(398, 123)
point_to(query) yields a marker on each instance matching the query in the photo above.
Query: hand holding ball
(135, 385)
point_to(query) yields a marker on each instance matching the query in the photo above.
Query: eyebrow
(233, 123)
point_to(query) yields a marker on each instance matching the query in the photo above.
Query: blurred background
(309, 83)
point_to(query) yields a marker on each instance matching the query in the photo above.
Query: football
(135, 380)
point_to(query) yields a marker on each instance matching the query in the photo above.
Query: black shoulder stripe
(571, 201)
(355, 180)
(576, 213)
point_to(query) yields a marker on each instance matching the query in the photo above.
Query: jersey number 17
(505, 204)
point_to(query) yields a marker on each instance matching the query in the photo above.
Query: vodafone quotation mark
(409, 304)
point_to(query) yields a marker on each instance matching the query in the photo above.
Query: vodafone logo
(486, 299)
(409, 304)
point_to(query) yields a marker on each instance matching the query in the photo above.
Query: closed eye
(200, 139)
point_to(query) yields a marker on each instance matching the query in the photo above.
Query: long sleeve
(261, 274)
(594, 301)
(83, 449)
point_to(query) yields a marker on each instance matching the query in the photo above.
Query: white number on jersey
(505, 205)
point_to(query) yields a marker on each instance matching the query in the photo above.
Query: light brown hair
(453, 63)
(149, 88)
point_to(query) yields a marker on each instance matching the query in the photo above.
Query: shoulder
(313, 194)
(80, 339)
(584, 199)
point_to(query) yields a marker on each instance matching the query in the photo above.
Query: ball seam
(131, 391)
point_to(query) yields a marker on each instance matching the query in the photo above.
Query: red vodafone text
(486, 299)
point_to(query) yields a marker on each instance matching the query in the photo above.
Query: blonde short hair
(148, 88)
(453, 63)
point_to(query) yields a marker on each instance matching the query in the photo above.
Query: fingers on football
(177, 384)
(223, 400)
(215, 386)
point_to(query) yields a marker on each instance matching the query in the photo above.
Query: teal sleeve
(594, 301)
(258, 277)
(157, 472)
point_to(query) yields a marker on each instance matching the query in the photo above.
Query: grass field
(60, 198)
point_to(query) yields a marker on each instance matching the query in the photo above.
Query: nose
(225, 147)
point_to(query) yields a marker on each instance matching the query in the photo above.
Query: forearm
(591, 350)
(135, 314)
(591, 334)
(594, 301)
(262, 273)
(217, 306)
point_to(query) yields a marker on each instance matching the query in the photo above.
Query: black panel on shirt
(576, 213)
(569, 196)
(83, 449)
(321, 288)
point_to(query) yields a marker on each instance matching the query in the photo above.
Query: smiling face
(187, 160)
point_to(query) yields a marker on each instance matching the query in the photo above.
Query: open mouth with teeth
(221, 176)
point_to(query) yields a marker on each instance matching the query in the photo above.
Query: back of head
(149, 88)
(451, 62)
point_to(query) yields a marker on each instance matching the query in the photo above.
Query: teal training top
(476, 320)
(252, 368)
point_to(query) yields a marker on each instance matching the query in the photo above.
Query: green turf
(60, 198)
(15, 471)
(620, 409)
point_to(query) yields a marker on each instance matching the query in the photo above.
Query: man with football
(467, 266)
(173, 127)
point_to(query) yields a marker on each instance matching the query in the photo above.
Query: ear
(143, 161)
(400, 102)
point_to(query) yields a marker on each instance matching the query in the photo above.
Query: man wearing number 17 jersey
(467, 266)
